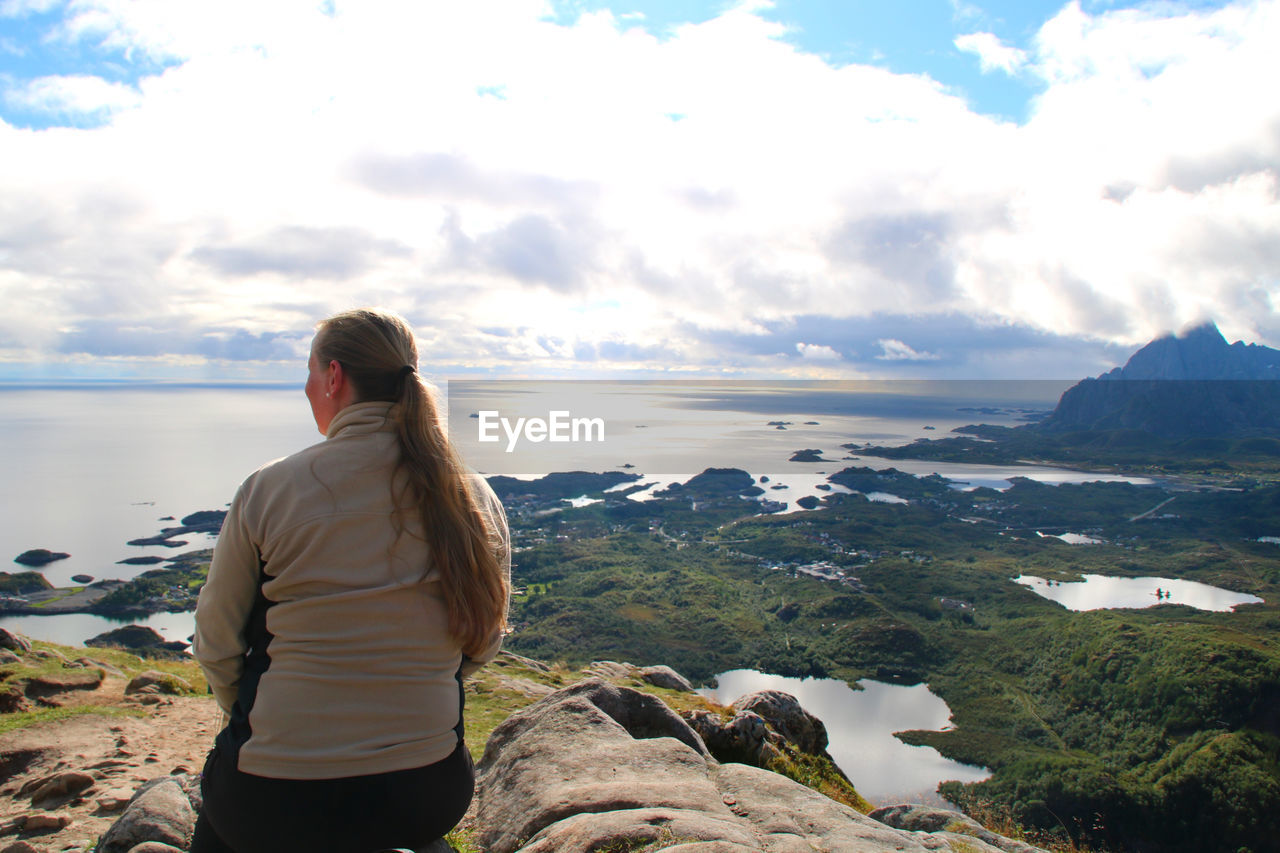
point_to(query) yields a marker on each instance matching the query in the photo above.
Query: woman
(352, 587)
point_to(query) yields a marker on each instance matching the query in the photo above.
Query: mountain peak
(1198, 352)
(1206, 330)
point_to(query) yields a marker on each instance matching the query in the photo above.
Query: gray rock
(597, 767)
(7, 656)
(592, 747)
(630, 828)
(786, 816)
(51, 792)
(113, 800)
(608, 669)
(154, 681)
(921, 818)
(14, 642)
(97, 664)
(161, 810)
(783, 712)
(524, 661)
(665, 676)
(155, 847)
(594, 766)
(523, 686)
(744, 738)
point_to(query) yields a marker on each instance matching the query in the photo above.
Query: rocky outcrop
(161, 811)
(658, 676)
(744, 737)
(664, 676)
(783, 712)
(50, 684)
(14, 642)
(764, 725)
(153, 681)
(595, 766)
(953, 824)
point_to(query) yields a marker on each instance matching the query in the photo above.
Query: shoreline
(172, 589)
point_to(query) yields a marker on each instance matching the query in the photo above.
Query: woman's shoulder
(284, 467)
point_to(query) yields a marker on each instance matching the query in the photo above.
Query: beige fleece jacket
(361, 677)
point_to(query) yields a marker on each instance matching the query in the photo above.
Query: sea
(90, 467)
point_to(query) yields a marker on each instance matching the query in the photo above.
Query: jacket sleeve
(222, 611)
(498, 518)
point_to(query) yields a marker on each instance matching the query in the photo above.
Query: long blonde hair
(379, 355)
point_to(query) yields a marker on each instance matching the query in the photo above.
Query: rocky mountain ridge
(1193, 384)
(1199, 353)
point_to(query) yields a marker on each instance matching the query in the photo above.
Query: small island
(172, 588)
(40, 557)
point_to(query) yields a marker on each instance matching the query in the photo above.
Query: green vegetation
(49, 659)
(820, 775)
(22, 719)
(1138, 729)
(173, 588)
(18, 583)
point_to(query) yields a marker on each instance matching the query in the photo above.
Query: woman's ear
(340, 388)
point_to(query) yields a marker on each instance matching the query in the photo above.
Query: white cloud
(817, 352)
(992, 54)
(73, 95)
(896, 350)
(289, 163)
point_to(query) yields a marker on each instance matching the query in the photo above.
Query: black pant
(244, 813)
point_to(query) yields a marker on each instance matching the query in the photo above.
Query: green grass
(23, 719)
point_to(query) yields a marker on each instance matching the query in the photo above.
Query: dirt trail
(115, 754)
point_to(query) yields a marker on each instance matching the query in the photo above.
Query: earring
(327, 394)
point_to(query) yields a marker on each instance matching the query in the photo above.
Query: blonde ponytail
(377, 351)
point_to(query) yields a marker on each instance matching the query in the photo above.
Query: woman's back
(356, 672)
(353, 586)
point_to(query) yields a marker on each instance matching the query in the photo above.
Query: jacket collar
(362, 418)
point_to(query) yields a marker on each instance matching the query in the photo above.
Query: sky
(591, 188)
